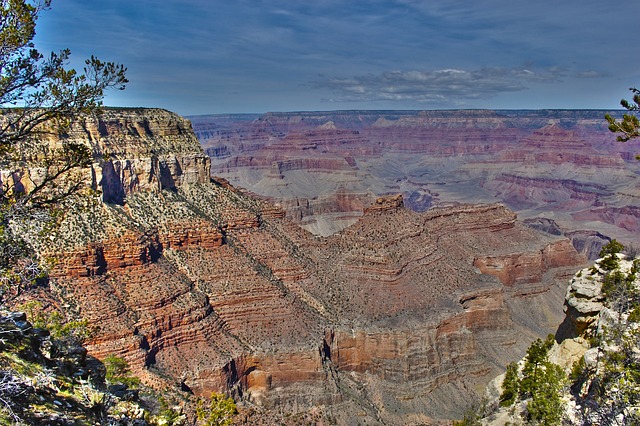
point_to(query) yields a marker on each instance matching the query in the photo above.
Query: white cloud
(442, 86)
(590, 74)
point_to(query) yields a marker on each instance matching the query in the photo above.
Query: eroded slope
(400, 318)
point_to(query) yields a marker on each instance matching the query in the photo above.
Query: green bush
(220, 411)
(634, 316)
(612, 248)
(620, 291)
(57, 325)
(609, 255)
(471, 418)
(510, 386)
(118, 371)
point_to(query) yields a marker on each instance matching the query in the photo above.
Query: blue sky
(219, 56)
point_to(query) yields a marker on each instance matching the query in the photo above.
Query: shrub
(220, 411)
(60, 328)
(612, 248)
(118, 371)
(609, 255)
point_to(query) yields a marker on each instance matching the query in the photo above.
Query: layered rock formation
(398, 319)
(563, 166)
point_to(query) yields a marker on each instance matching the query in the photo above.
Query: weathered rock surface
(596, 338)
(584, 301)
(390, 321)
(560, 165)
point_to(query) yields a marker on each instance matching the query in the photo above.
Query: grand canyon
(559, 170)
(414, 290)
(318, 213)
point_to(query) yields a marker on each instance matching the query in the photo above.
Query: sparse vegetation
(613, 387)
(606, 388)
(219, 412)
(471, 418)
(59, 327)
(118, 371)
(539, 384)
(57, 389)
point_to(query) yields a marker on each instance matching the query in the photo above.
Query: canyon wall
(557, 165)
(400, 318)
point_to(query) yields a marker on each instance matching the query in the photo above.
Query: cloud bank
(443, 87)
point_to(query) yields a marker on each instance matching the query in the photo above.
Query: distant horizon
(394, 110)
(218, 114)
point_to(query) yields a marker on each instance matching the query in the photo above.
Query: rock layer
(560, 165)
(391, 320)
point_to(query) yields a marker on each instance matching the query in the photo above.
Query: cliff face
(134, 150)
(560, 165)
(596, 346)
(396, 319)
(141, 151)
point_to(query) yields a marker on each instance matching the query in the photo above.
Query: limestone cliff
(134, 150)
(398, 319)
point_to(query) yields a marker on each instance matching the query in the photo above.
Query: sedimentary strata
(549, 164)
(398, 318)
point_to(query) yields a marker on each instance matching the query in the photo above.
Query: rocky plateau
(402, 317)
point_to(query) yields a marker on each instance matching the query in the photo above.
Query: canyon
(560, 167)
(402, 317)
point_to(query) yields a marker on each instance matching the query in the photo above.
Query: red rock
(564, 165)
(201, 286)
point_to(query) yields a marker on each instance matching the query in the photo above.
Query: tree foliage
(39, 96)
(532, 377)
(629, 126)
(618, 287)
(546, 405)
(540, 384)
(609, 255)
(510, 386)
(220, 411)
(41, 87)
(118, 372)
(59, 327)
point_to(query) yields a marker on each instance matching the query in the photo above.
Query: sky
(234, 56)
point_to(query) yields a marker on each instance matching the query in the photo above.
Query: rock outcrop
(134, 150)
(199, 287)
(595, 346)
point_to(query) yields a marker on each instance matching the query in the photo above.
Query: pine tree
(546, 406)
(532, 372)
(510, 386)
(39, 95)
